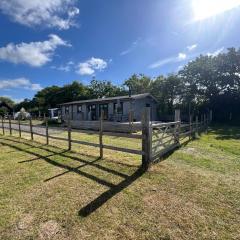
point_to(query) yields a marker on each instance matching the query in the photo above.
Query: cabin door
(103, 107)
(92, 112)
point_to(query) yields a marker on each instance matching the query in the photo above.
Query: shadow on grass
(104, 197)
(225, 132)
(166, 155)
(100, 200)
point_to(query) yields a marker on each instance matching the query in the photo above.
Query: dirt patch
(51, 230)
(190, 150)
(25, 222)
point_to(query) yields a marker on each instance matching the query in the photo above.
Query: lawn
(47, 192)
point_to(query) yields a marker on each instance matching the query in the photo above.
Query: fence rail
(157, 139)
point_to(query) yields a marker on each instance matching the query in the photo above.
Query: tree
(8, 101)
(139, 83)
(167, 90)
(210, 79)
(9, 105)
(72, 92)
(100, 89)
(50, 97)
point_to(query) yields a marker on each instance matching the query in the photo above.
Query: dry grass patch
(47, 192)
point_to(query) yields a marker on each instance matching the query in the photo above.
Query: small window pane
(66, 110)
(79, 109)
(118, 108)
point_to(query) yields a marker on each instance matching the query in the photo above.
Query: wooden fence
(157, 139)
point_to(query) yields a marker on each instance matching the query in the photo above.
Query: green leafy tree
(100, 89)
(168, 92)
(211, 80)
(139, 83)
(9, 102)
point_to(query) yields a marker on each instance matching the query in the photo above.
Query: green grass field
(47, 192)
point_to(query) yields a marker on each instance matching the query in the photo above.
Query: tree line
(207, 82)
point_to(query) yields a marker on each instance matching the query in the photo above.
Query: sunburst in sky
(46, 42)
(203, 9)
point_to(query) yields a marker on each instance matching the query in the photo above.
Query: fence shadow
(100, 200)
(226, 132)
(104, 197)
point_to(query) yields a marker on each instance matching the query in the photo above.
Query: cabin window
(79, 108)
(148, 105)
(118, 108)
(66, 110)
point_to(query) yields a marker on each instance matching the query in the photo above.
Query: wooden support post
(210, 116)
(130, 116)
(10, 124)
(47, 138)
(101, 134)
(197, 128)
(31, 127)
(204, 121)
(177, 117)
(207, 122)
(69, 135)
(3, 128)
(146, 139)
(177, 120)
(190, 127)
(19, 128)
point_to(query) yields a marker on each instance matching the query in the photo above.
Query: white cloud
(34, 54)
(65, 68)
(19, 83)
(179, 58)
(215, 53)
(182, 56)
(192, 47)
(90, 66)
(131, 48)
(47, 13)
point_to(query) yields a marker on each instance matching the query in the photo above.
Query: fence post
(10, 124)
(19, 128)
(177, 119)
(190, 127)
(3, 129)
(204, 121)
(101, 134)
(130, 119)
(197, 130)
(47, 139)
(146, 139)
(69, 135)
(31, 128)
(210, 116)
(207, 122)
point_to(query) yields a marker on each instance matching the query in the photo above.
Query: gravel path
(36, 128)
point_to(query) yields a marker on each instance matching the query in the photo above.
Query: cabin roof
(110, 99)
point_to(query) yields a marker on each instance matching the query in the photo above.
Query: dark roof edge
(136, 96)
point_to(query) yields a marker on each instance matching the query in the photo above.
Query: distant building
(115, 109)
(54, 113)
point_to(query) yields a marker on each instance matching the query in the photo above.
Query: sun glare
(203, 9)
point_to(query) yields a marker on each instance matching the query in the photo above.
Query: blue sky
(53, 42)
